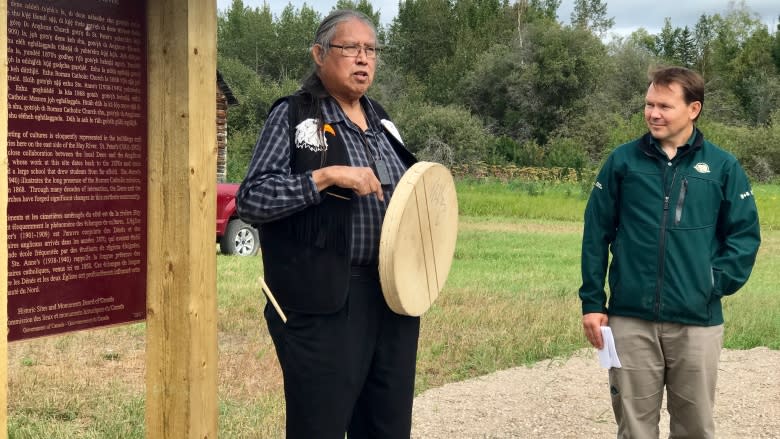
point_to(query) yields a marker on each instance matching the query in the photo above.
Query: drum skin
(418, 238)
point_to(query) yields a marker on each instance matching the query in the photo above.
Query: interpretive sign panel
(77, 155)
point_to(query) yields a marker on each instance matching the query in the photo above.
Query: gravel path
(570, 399)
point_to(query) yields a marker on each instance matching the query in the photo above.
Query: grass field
(511, 299)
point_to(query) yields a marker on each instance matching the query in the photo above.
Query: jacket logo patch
(598, 185)
(746, 195)
(307, 136)
(702, 168)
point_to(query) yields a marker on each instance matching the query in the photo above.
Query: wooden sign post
(181, 349)
(138, 131)
(3, 220)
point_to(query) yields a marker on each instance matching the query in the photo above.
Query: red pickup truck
(234, 236)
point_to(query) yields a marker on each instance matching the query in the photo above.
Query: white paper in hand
(607, 354)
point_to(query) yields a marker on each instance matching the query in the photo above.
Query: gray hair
(324, 35)
(327, 28)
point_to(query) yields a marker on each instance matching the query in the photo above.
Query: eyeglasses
(353, 51)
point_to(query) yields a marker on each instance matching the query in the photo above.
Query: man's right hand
(362, 180)
(591, 324)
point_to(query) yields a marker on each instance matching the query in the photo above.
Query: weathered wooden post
(181, 313)
(3, 221)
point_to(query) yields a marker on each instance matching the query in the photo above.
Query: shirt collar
(687, 144)
(332, 113)
(692, 138)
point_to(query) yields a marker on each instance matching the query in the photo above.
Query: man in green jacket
(678, 215)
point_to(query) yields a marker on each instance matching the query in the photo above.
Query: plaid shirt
(270, 191)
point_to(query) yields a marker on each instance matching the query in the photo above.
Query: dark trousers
(352, 371)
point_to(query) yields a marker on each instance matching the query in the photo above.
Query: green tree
(363, 6)
(437, 40)
(527, 87)
(529, 11)
(732, 33)
(626, 74)
(273, 48)
(666, 42)
(255, 95)
(703, 35)
(591, 123)
(486, 90)
(294, 31)
(641, 38)
(367, 8)
(734, 54)
(504, 80)
(686, 48)
(592, 14)
(246, 34)
(757, 84)
(421, 34)
(776, 46)
(741, 65)
(479, 25)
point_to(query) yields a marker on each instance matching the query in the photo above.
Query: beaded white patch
(390, 127)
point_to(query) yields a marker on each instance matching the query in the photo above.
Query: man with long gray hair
(323, 170)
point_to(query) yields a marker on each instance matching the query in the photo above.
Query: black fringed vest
(306, 256)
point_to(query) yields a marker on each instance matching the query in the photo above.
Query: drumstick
(271, 297)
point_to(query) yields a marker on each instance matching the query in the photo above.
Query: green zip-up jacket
(683, 233)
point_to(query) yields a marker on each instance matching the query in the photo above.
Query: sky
(628, 15)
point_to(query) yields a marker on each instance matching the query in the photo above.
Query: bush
(255, 96)
(530, 154)
(437, 151)
(757, 148)
(424, 125)
(591, 128)
(239, 153)
(505, 150)
(564, 152)
(623, 131)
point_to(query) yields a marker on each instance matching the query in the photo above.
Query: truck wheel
(239, 239)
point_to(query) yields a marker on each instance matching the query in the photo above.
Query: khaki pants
(683, 358)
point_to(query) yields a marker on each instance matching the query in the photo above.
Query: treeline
(505, 82)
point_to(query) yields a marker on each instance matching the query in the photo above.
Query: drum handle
(271, 297)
